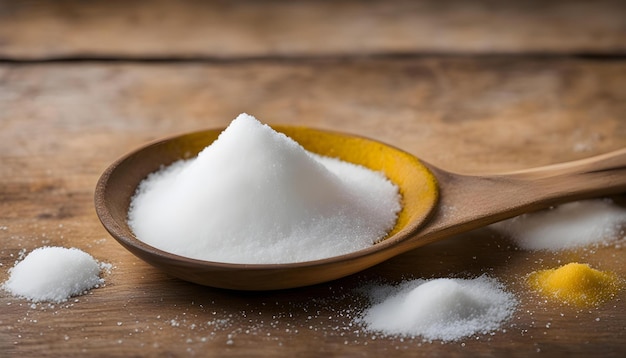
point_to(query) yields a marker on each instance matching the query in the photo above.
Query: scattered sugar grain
(439, 309)
(256, 196)
(567, 226)
(54, 274)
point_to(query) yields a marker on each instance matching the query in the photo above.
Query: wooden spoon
(436, 203)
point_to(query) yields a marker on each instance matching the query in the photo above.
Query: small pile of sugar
(566, 226)
(576, 284)
(444, 309)
(256, 196)
(53, 274)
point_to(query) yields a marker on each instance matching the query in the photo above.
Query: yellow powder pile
(576, 284)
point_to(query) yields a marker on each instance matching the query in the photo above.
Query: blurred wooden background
(471, 86)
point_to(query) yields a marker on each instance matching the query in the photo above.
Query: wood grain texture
(327, 64)
(39, 29)
(62, 124)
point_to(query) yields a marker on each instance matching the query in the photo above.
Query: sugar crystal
(256, 196)
(444, 309)
(566, 226)
(53, 274)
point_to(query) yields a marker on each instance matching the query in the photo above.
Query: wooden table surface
(473, 87)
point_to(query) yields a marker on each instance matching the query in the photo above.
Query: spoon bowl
(118, 184)
(435, 203)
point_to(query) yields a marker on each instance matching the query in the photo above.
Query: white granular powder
(53, 274)
(439, 309)
(256, 196)
(566, 226)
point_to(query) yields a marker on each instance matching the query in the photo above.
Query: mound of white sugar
(53, 274)
(566, 226)
(256, 196)
(444, 309)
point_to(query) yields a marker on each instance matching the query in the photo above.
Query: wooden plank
(62, 124)
(223, 29)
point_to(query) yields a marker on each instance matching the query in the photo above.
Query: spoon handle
(468, 201)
